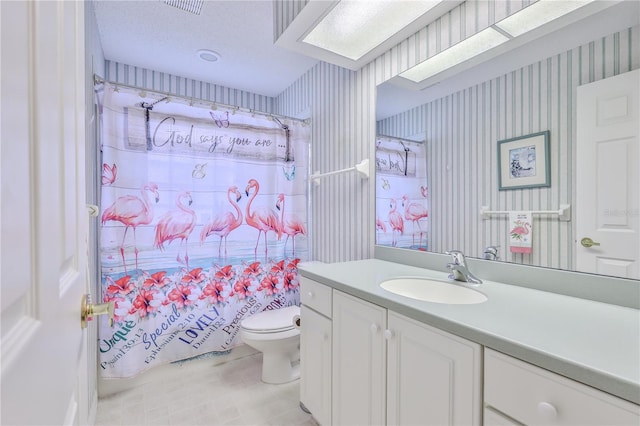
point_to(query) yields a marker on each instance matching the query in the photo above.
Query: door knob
(88, 310)
(588, 242)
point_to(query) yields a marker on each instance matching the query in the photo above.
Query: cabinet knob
(388, 334)
(374, 328)
(547, 410)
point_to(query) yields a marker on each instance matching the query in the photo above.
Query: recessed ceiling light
(208, 55)
(537, 14)
(354, 27)
(466, 49)
(536, 20)
(320, 30)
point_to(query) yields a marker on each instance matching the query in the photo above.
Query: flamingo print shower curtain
(402, 196)
(203, 214)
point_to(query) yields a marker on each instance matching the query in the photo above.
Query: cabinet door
(315, 364)
(359, 362)
(433, 377)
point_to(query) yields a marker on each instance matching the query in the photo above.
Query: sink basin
(433, 291)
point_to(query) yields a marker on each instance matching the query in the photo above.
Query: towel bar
(563, 213)
(362, 168)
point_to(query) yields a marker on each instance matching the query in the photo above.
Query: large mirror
(459, 123)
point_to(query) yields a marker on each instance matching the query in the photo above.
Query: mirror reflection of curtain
(203, 216)
(402, 195)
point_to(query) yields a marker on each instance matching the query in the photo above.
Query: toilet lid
(272, 321)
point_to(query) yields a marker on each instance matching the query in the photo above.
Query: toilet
(274, 334)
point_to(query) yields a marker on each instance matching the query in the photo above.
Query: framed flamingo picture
(524, 162)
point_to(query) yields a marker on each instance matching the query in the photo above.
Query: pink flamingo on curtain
(177, 224)
(224, 223)
(291, 225)
(380, 226)
(396, 222)
(132, 211)
(414, 212)
(261, 218)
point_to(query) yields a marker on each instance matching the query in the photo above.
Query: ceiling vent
(193, 6)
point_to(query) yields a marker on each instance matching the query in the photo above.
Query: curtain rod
(191, 100)
(400, 139)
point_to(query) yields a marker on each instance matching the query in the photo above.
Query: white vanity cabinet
(516, 392)
(315, 349)
(390, 369)
(364, 364)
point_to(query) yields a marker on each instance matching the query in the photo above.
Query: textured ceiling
(157, 36)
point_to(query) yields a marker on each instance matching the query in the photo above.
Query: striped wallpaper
(181, 86)
(343, 133)
(284, 13)
(461, 132)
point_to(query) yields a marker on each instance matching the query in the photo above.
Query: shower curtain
(402, 195)
(203, 213)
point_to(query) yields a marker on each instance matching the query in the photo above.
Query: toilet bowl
(274, 334)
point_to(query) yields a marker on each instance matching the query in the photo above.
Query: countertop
(594, 343)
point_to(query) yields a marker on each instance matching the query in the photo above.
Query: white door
(607, 178)
(359, 362)
(43, 215)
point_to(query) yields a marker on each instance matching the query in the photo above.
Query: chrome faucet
(459, 269)
(491, 253)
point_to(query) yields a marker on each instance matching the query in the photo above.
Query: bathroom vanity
(523, 356)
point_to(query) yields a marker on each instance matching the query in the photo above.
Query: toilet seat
(273, 321)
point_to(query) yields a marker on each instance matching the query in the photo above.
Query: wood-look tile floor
(197, 392)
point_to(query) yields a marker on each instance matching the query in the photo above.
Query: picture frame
(524, 162)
